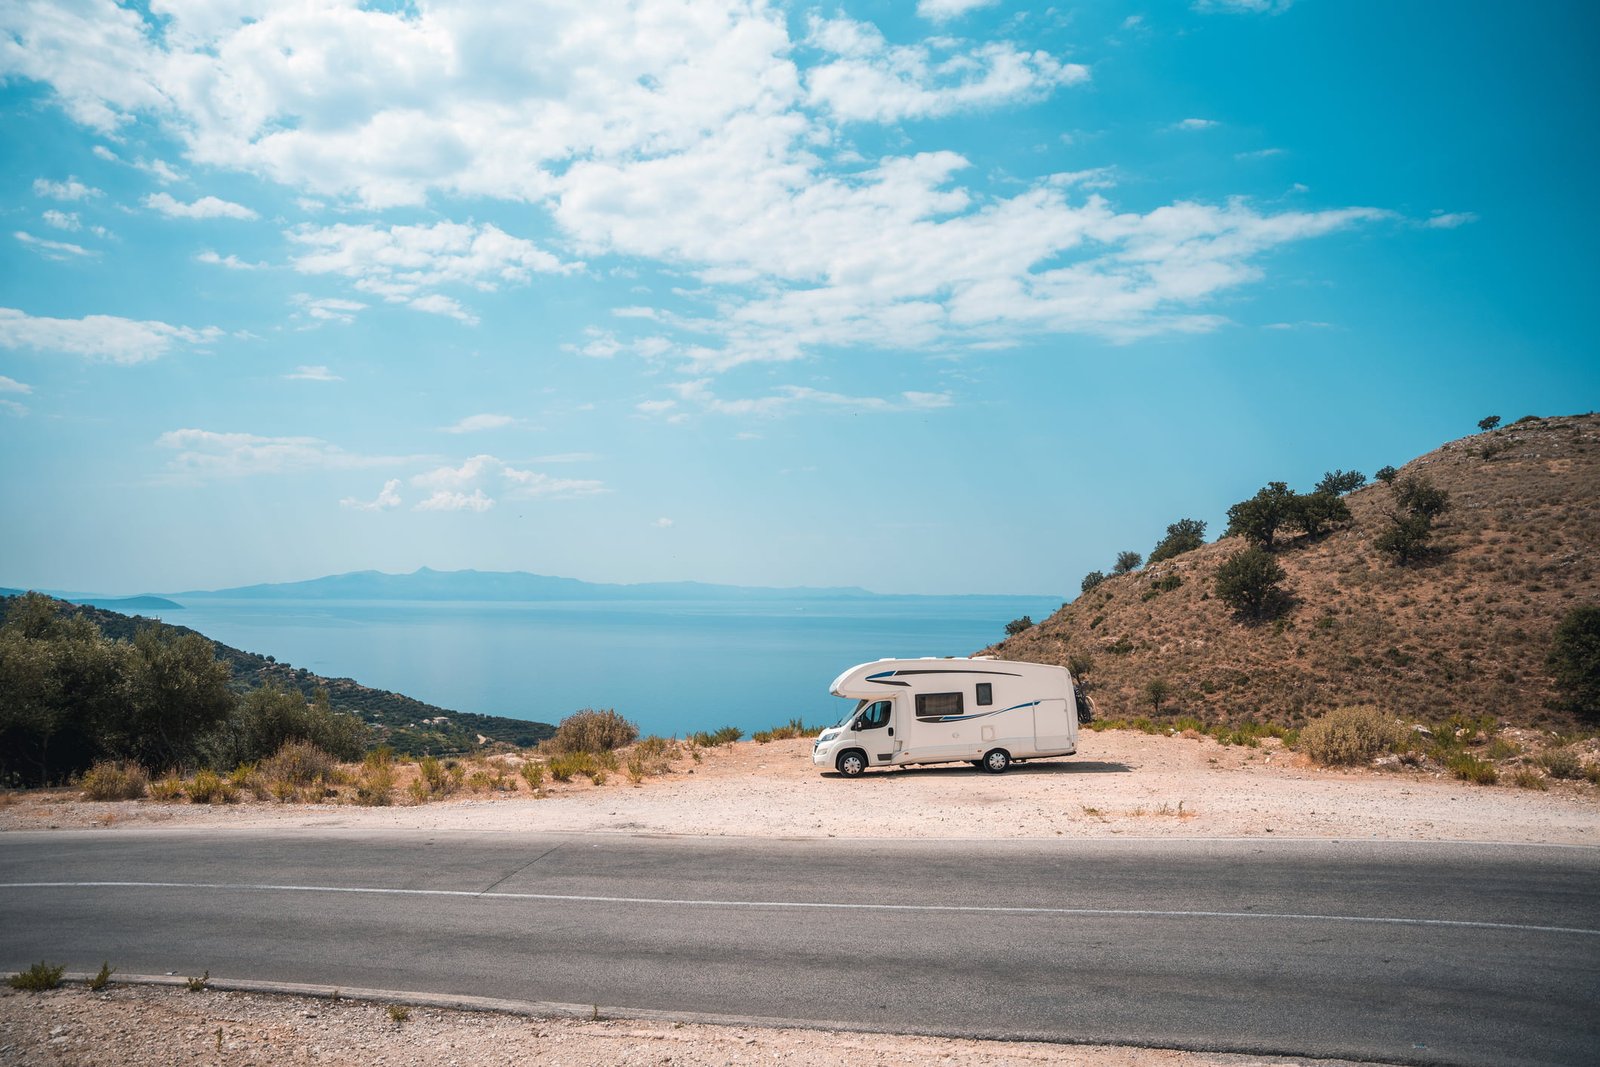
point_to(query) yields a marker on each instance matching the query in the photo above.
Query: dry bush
(109, 780)
(590, 730)
(209, 787)
(652, 756)
(533, 774)
(1562, 763)
(299, 763)
(1350, 735)
(167, 789)
(374, 789)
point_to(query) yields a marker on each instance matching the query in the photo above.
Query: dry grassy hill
(1464, 631)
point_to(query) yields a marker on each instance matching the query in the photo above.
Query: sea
(671, 667)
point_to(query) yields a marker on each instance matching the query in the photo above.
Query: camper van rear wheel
(852, 763)
(996, 760)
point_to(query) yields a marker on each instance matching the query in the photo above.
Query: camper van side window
(985, 694)
(938, 705)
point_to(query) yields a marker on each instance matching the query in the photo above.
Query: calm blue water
(671, 667)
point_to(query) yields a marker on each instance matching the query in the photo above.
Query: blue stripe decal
(984, 714)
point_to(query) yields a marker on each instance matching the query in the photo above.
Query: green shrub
(38, 978)
(1528, 778)
(1562, 763)
(1350, 735)
(792, 728)
(434, 774)
(102, 977)
(716, 738)
(1092, 579)
(1017, 626)
(1127, 562)
(533, 773)
(1470, 768)
(419, 791)
(590, 730)
(209, 787)
(109, 780)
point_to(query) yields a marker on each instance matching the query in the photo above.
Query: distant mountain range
(469, 585)
(428, 584)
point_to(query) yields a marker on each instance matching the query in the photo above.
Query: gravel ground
(1121, 784)
(145, 1026)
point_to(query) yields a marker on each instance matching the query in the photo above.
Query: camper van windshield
(850, 715)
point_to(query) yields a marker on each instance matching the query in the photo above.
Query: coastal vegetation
(82, 688)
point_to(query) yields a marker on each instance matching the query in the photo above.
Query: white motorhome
(983, 711)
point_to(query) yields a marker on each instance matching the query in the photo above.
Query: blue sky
(943, 298)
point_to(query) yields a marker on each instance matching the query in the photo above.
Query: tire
(851, 763)
(996, 760)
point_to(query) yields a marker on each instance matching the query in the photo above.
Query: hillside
(1463, 631)
(410, 727)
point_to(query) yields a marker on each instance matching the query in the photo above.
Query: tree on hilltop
(1126, 562)
(1182, 536)
(1258, 519)
(1489, 423)
(1340, 482)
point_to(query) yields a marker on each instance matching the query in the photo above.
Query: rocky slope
(1462, 632)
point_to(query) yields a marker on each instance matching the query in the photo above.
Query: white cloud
(61, 250)
(689, 135)
(231, 262)
(62, 220)
(71, 189)
(481, 472)
(1451, 221)
(388, 497)
(207, 207)
(444, 500)
(329, 309)
(790, 398)
(11, 385)
(476, 423)
(402, 264)
(942, 10)
(662, 523)
(1260, 153)
(567, 457)
(204, 454)
(1243, 7)
(1195, 124)
(873, 81)
(106, 338)
(313, 374)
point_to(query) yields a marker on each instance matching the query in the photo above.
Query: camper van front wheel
(996, 760)
(852, 763)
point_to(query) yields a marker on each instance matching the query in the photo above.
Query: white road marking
(243, 887)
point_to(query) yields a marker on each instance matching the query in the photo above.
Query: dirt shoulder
(1122, 783)
(145, 1026)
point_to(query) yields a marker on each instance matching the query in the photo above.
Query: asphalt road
(1406, 953)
